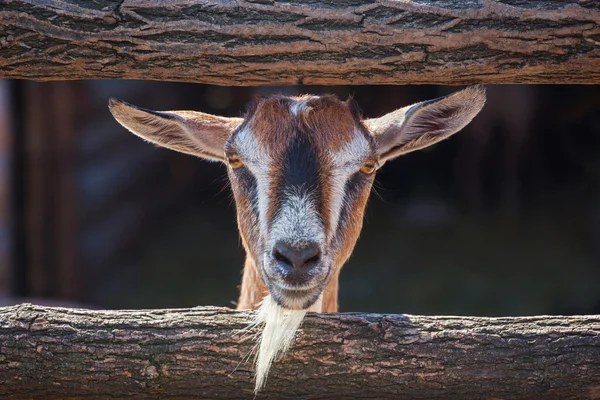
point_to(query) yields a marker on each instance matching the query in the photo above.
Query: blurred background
(501, 219)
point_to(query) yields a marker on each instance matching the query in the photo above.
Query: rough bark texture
(268, 42)
(52, 353)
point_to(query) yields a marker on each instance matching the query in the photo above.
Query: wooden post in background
(5, 187)
(50, 141)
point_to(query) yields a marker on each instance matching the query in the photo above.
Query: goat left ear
(423, 124)
(189, 132)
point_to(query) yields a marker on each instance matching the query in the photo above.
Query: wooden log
(331, 42)
(60, 353)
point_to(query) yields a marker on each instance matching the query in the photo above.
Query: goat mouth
(295, 299)
(294, 290)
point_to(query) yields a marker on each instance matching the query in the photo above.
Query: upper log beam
(59, 353)
(268, 42)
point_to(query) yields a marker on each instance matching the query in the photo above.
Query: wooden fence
(332, 42)
(62, 353)
(54, 353)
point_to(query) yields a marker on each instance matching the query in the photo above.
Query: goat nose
(297, 257)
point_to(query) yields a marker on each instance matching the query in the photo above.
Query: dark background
(501, 219)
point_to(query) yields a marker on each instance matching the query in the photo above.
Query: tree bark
(59, 353)
(269, 42)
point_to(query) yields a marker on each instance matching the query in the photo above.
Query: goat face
(301, 169)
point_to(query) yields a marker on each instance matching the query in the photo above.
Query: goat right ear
(189, 132)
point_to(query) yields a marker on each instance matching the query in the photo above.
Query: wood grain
(59, 353)
(331, 42)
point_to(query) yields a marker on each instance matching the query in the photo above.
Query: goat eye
(368, 168)
(234, 162)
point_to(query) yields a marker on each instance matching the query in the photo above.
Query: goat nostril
(280, 257)
(313, 259)
(297, 257)
(311, 255)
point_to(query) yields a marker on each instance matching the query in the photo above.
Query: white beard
(278, 333)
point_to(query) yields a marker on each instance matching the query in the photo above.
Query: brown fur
(330, 120)
(253, 288)
(332, 124)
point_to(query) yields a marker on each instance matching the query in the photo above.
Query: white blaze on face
(259, 163)
(297, 221)
(345, 162)
(302, 106)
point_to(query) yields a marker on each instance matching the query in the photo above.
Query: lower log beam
(59, 353)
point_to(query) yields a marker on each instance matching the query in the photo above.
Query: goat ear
(423, 124)
(189, 132)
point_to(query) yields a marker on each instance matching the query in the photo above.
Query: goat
(301, 169)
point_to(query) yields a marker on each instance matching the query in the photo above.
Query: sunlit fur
(279, 327)
(298, 178)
